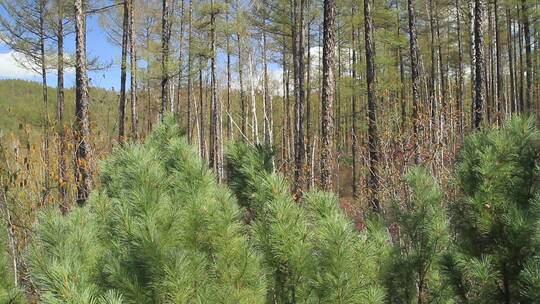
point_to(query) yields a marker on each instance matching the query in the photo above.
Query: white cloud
(11, 68)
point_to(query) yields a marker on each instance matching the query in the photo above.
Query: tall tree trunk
(267, 99)
(254, 121)
(83, 174)
(402, 94)
(202, 145)
(309, 128)
(216, 135)
(327, 120)
(522, 103)
(62, 187)
(500, 90)
(354, 106)
(133, 76)
(47, 174)
(442, 98)
(479, 84)
(229, 114)
(299, 147)
(413, 43)
(190, 100)
(123, 74)
(433, 74)
(490, 69)
(147, 84)
(472, 56)
(460, 84)
(180, 64)
(165, 37)
(511, 61)
(287, 113)
(373, 136)
(528, 55)
(241, 80)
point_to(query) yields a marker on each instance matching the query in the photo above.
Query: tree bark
(354, 106)
(241, 80)
(433, 75)
(216, 135)
(180, 64)
(62, 187)
(327, 157)
(500, 90)
(460, 84)
(479, 83)
(522, 103)
(267, 99)
(413, 44)
(133, 76)
(309, 128)
(83, 174)
(254, 121)
(202, 145)
(298, 51)
(528, 56)
(229, 114)
(45, 98)
(373, 136)
(190, 100)
(511, 61)
(123, 74)
(165, 38)
(403, 97)
(472, 56)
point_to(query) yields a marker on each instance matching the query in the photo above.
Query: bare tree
(413, 43)
(216, 135)
(267, 99)
(479, 82)
(82, 99)
(62, 187)
(298, 34)
(528, 55)
(133, 74)
(165, 38)
(327, 121)
(373, 136)
(460, 83)
(23, 30)
(123, 73)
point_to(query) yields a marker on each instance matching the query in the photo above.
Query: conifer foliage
(311, 251)
(414, 273)
(160, 231)
(496, 216)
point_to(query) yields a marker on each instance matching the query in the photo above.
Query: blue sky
(97, 46)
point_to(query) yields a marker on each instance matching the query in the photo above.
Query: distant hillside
(21, 103)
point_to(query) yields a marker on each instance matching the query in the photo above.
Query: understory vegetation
(160, 229)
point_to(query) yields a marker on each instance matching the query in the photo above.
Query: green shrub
(413, 269)
(496, 216)
(311, 251)
(159, 231)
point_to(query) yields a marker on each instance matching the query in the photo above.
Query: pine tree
(496, 216)
(414, 273)
(161, 230)
(311, 250)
